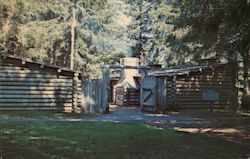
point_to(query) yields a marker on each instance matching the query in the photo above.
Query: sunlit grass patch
(41, 114)
(109, 140)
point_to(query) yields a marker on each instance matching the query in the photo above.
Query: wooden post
(234, 105)
(75, 93)
(240, 81)
(84, 95)
(141, 92)
(105, 81)
(173, 92)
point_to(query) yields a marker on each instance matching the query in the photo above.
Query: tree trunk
(63, 57)
(73, 25)
(6, 25)
(54, 57)
(141, 53)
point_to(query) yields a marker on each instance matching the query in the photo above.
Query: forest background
(82, 34)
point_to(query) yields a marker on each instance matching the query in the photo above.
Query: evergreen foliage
(218, 29)
(41, 30)
(152, 29)
(169, 32)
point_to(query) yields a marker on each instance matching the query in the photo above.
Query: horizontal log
(36, 96)
(36, 80)
(20, 71)
(221, 75)
(205, 80)
(35, 88)
(120, 91)
(184, 97)
(66, 109)
(221, 88)
(202, 82)
(78, 84)
(29, 108)
(14, 92)
(218, 70)
(200, 100)
(221, 96)
(190, 82)
(204, 85)
(202, 103)
(34, 104)
(224, 76)
(5, 67)
(37, 84)
(78, 95)
(79, 89)
(199, 93)
(29, 73)
(23, 100)
(199, 90)
(22, 76)
(203, 107)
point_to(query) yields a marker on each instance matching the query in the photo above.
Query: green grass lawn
(39, 114)
(101, 140)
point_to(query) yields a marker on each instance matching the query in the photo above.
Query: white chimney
(128, 74)
(129, 61)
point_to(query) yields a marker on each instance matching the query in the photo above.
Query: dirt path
(230, 127)
(128, 114)
(134, 114)
(116, 114)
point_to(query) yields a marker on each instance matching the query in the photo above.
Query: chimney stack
(129, 61)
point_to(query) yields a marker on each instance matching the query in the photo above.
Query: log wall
(190, 90)
(210, 88)
(120, 96)
(29, 86)
(132, 98)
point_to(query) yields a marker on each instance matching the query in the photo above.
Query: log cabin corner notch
(28, 85)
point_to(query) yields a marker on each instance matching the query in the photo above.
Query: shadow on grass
(231, 126)
(109, 140)
(42, 115)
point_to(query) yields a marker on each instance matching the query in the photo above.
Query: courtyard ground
(125, 133)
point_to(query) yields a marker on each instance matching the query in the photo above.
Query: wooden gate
(148, 85)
